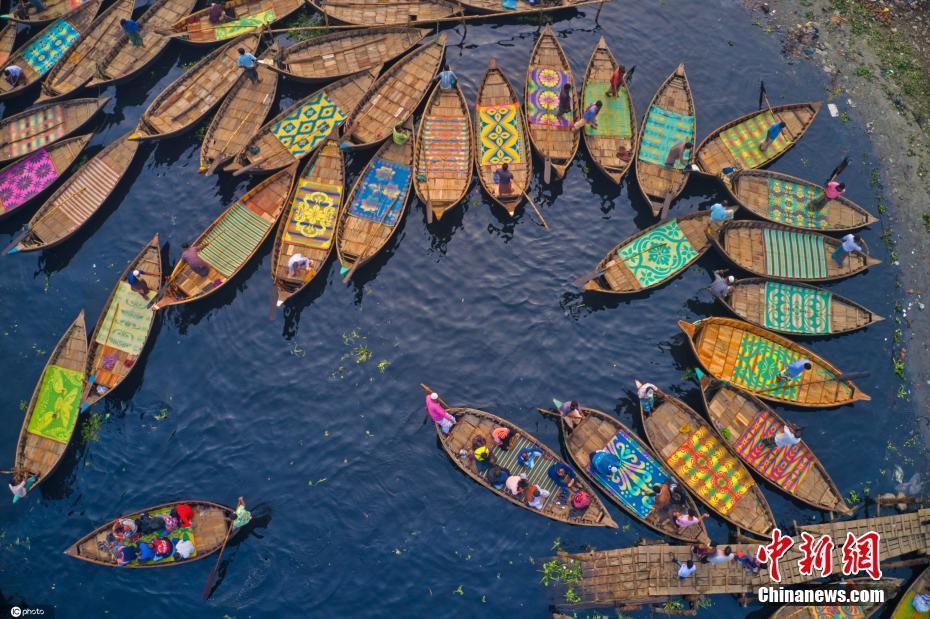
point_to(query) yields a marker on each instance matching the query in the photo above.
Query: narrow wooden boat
(124, 327)
(386, 12)
(78, 198)
(23, 181)
(345, 52)
(784, 199)
(7, 42)
(742, 420)
(752, 358)
(125, 60)
(394, 96)
(53, 10)
(781, 252)
(52, 413)
(210, 527)
(230, 241)
(444, 152)
(688, 445)
(193, 95)
(617, 123)
(45, 50)
(523, 6)
(302, 128)
(77, 66)
(905, 606)
(250, 15)
(501, 137)
(736, 145)
(548, 72)
(638, 470)
(796, 309)
(652, 256)
(309, 224)
(669, 121)
(44, 124)
(376, 205)
(239, 117)
(844, 611)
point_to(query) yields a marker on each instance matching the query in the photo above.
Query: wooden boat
(652, 256)
(210, 527)
(345, 52)
(796, 309)
(444, 152)
(781, 252)
(394, 96)
(125, 60)
(113, 353)
(905, 608)
(24, 180)
(250, 15)
(77, 66)
(548, 71)
(743, 420)
(78, 198)
(7, 42)
(230, 241)
(53, 10)
(46, 49)
(386, 12)
(669, 120)
(687, 444)
(309, 225)
(501, 137)
(193, 95)
(844, 611)
(302, 128)
(376, 205)
(736, 144)
(617, 123)
(44, 124)
(783, 199)
(751, 358)
(638, 469)
(239, 117)
(523, 6)
(53, 411)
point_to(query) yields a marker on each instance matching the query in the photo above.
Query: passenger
(243, 516)
(482, 457)
(217, 12)
(249, 65)
(721, 287)
(446, 78)
(503, 437)
(720, 556)
(563, 476)
(772, 134)
(750, 562)
(13, 74)
(504, 179)
(580, 500)
(852, 244)
(439, 414)
(297, 262)
(124, 528)
(832, 191)
(527, 456)
(191, 256)
(617, 80)
(571, 411)
(662, 493)
(688, 520)
(535, 496)
(184, 549)
(163, 548)
(21, 10)
(921, 601)
(676, 154)
(794, 370)
(720, 212)
(605, 463)
(497, 477)
(184, 514)
(589, 117)
(785, 438)
(150, 524)
(515, 484)
(684, 569)
(647, 396)
(171, 522)
(133, 30)
(565, 102)
(38, 5)
(125, 555)
(146, 552)
(137, 283)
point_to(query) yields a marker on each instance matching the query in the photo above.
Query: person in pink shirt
(832, 191)
(438, 413)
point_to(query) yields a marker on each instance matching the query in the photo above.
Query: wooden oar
(533, 204)
(584, 279)
(763, 96)
(838, 169)
(358, 259)
(441, 401)
(665, 205)
(211, 581)
(546, 411)
(838, 378)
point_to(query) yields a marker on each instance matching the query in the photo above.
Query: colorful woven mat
(538, 475)
(542, 101)
(133, 321)
(905, 608)
(56, 409)
(783, 466)
(178, 534)
(659, 254)
(830, 611)
(743, 140)
(500, 135)
(788, 204)
(384, 186)
(25, 179)
(244, 24)
(44, 53)
(36, 130)
(711, 471)
(796, 309)
(233, 239)
(662, 131)
(311, 221)
(637, 470)
(445, 148)
(307, 126)
(792, 254)
(615, 118)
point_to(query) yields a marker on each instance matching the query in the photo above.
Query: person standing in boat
(565, 102)
(439, 414)
(249, 64)
(191, 257)
(446, 78)
(217, 13)
(504, 179)
(832, 191)
(722, 286)
(676, 155)
(772, 134)
(137, 283)
(589, 117)
(794, 370)
(852, 244)
(785, 438)
(133, 30)
(13, 75)
(647, 396)
(617, 81)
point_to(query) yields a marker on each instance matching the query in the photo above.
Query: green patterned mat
(796, 309)
(133, 321)
(761, 360)
(614, 119)
(664, 129)
(797, 255)
(56, 409)
(658, 254)
(788, 202)
(245, 24)
(234, 238)
(743, 140)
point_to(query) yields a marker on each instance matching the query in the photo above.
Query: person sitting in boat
(137, 283)
(785, 438)
(831, 191)
(722, 286)
(565, 102)
(446, 78)
(439, 414)
(38, 5)
(516, 484)
(749, 561)
(535, 496)
(678, 155)
(504, 179)
(497, 476)
(663, 495)
(124, 528)
(483, 458)
(921, 601)
(589, 116)
(571, 412)
(503, 437)
(171, 522)
(243, 516)
(617, 80)
(191, 257)
(184, 514)
(163, 547)
(683, 521)
(21, 10)
(125, 555)
(563, 475)
(772, 134)
(217, 12)
(146, 552)
(527, 456)
(604, 463)
(794, 370)
(184, 549)
(13, 75)
(297, 262)
(580, 501)
(647, 396)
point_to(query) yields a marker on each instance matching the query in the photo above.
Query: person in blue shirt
(249, 64)
(133, 31)
(563, 475)
(13, 75)
(794, 370)
(589, 117)
(446, 78)
(137, 283)
(772, 134)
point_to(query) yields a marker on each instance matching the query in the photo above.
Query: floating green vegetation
(383, 365)
(926, 218)
(22, 405)
(705, 602)
(557, 544)
(459, 590)
(902, 392)
(90, 429)
(305, 20)
(899, 368)
(162, 414)
(898, 336)
(673, 605)
(567, 573)
(361, 353)
(853, 497)
(844, 117)
(201, 133)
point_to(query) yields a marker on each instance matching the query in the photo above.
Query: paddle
(584, 279)
(764, 97)
(358, 260)
(211, 581)
(441, 401)
(533, 204)
(547, 171)
(838, 378)
(665, 205)
(546, 411)
(839, 169)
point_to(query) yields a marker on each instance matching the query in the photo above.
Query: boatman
(589, 117)
(832, 191)
(852, 244)
(617, 80)
(772, 134)
(191, 256)
(676, 154)
(446, 78)
(785, 438)
(13, 74)
(721, 286)
(133, 30)
(249, 64)
(504, 179)
(794, 370)
(137, 283)
(297, 262)
(565, 102)
(243, 516)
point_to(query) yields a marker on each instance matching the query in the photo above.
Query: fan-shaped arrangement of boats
(905, 606)
(346, 52)
(687, 444)
(53, 10)
(44, 124)
(308, 227)
(548, 73)
(781, 252)
(753, 358)
(744, 422)
(23, 181)
(7, 42)
(124, 326)
(501, 136)
(52, 412)
(669, 122)
(791, 201)
(210, 527)
(229, 242)
(652, 256)
(444, 152)
(796, 309)
(394, 96)
(386, 12)
(243, 16)
(193, 95)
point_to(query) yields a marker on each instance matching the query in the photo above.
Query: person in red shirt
(617, 79)
(184, 513)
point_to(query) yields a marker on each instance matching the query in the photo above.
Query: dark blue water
(358, 511)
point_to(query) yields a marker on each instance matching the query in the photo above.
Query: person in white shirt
(851, 245)
(921, 601)
(684, 569)
(785, 438)
(297, 262)
(184, 549)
